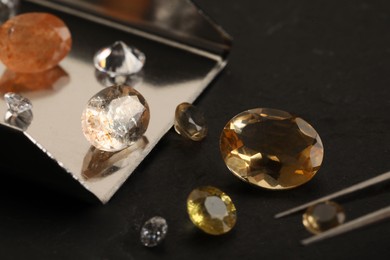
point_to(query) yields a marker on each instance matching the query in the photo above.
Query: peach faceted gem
(34, 42)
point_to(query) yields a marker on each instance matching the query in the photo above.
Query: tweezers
(370, 218)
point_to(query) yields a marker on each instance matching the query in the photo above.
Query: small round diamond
(190, 122)
(119, 59)
(271, 148)
(323, 216)
(211, 210)
(115, 118)
(34, 42)
(154, 231)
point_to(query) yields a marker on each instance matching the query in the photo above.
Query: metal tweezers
(370, 218)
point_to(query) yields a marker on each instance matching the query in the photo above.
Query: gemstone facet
(323, 216)
(190, 122)
(154, 231)
(115, 118)
(16, 103)
(119, 59)
(211, 210)
(34, 42)
(271, 148)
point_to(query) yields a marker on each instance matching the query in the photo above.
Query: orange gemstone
(52, 79)
(34, 42)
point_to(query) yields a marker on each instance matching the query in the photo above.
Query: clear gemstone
(154, 231)
(115, 118)
(271, 148)
(211, 210)
(16, 103)
(190, 122)
(323, 216)
(119, 59)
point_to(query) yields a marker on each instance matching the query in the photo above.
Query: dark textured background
(327, 61)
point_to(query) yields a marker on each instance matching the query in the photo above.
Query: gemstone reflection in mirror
(19, 113)
(115, 118)
(99, 164)
(108, 80)
(323, 216)
(119, 59)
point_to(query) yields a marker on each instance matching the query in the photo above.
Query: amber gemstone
(34, 42)
(190, 122)
(271, 148)
(211, 210)
(323, 216)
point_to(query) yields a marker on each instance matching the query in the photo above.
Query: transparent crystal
(16, 103)
(7, 9)
(21, 120)
(115, 118)
(190, 122)
(119, 59)
(154, 231)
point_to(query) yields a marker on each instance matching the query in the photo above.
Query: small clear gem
(211, 210)
(115, 118)
(323, 216)
(271, 148)
(119, 59)
(154, 231)
(16, 103)
(190, 122)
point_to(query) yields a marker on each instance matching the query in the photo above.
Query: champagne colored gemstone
(211, 210)
(115, 118)
(34, 42)
(323, 216)
(271, 148)
(190, 122)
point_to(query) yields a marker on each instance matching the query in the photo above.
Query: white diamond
(119, 59)
(16, 103)
(154, 231)
(115, 118)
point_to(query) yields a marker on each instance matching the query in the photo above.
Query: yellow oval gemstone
(323, 216)
(271, 148)
(211, 210)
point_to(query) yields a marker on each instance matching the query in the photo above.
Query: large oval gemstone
(271, 148)
(34, 42)
(115, 118)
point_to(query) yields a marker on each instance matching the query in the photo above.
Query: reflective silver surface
(174, 73)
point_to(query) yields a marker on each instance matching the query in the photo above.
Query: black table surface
(327, 61)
